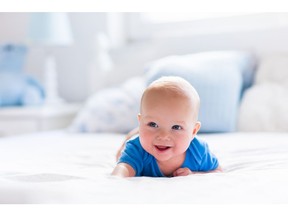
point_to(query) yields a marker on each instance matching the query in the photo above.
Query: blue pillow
(220, 79)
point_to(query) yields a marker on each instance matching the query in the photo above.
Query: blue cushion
(219, 77)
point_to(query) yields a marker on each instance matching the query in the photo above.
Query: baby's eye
(176, 127)
(152, 124)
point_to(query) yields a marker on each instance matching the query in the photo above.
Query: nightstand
(19, 120)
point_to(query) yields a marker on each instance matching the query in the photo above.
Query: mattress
(62, 167)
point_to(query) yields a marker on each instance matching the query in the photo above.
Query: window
(180, 17)
(159, 25)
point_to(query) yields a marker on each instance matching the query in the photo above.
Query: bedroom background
(237, 62)
(110, 48)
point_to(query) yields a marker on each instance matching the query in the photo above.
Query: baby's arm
(123, 170)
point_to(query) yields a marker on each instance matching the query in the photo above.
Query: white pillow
(273, 68)
(112, 109)
(264, 108)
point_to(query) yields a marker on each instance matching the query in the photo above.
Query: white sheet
(60, 167)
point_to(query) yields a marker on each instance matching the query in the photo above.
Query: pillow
(112, 109)
(244, 62)
(219, 77)
(264, 108)
(273, 68)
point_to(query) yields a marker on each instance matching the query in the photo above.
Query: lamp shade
(50, 29)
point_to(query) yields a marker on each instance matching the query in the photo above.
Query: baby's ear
(139, 117)
(196, 128)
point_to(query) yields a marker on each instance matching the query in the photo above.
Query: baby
(167, 144)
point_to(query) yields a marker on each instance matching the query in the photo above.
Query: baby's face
(166, 125)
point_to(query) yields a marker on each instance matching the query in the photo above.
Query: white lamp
(50, 29)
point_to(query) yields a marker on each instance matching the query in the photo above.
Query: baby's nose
(163, 135)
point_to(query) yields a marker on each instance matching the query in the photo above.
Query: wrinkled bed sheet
(62, 167)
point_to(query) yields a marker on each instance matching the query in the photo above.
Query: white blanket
(60, 167)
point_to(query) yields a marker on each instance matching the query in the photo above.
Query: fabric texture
(198, 158)
(220, 79)
(56, 167)
(111, 109)
(264, 106)
(273, 69)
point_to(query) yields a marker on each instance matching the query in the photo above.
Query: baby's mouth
(162, 148)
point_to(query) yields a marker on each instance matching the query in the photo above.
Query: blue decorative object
(220, 77)
(16, 87)
(12, 58)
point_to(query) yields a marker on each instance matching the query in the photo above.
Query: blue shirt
(198, 158)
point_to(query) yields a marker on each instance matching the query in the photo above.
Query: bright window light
(163, 25)
(182, 17)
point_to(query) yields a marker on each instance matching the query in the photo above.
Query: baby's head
(172, 88)
(168, 117)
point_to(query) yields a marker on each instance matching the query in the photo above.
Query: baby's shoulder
(198, 147)
(134, 147)
(134, 141)
(198, 142)
(134, 144)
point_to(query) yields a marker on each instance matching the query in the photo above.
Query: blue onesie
(198, 158)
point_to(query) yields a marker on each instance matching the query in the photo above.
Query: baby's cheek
(183, 141)
(146, 141)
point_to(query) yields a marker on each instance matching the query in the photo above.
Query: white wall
(77, 65)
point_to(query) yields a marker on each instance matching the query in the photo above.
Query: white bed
(62, 167)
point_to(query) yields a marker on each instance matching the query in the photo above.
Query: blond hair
(177, 87)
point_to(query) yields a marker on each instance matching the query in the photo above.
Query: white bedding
(60, 167)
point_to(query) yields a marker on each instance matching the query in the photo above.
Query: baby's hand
(182, 172)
